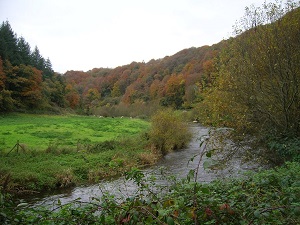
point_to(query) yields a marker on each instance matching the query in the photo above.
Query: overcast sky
(87, 34)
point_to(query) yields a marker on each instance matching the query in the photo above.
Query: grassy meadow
(62, 151)
(38, 132)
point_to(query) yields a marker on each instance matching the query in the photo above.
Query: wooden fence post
(18, 144)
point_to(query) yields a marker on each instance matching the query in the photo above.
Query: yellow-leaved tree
(258, 84)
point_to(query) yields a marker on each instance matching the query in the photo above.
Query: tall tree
(6, 101)
(259, 82)
(8, 44)
(116, 92)
(24, 51)
(2, 76)
(37, 59)
(47, 70)
(175, 89)
(26, 84)
(54, 90)
(72, 97)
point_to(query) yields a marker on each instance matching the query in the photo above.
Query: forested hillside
(29, 82)
(175, 81)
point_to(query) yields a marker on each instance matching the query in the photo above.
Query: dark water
(176, 163)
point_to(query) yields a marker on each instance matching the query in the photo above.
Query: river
(175, 163)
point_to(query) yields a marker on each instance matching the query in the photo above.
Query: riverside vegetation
(267, 197)
(62, 151)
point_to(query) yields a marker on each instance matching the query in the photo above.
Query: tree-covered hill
(242, 79)
(173, 80)
(29, 82)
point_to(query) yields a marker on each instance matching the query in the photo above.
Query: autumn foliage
(174, 81)
(27, 81)
(257, 87)
(168, 132)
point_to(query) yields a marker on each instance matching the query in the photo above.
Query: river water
(176, 163)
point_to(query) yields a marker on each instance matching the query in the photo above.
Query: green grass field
(52, 158)
(38, 132)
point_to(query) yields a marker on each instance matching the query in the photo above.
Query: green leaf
(3, 214)
(149, 220)
(206, 165)
(192, 159)
(190, 175)
(205, 190)
(201, 143)
(209, 163)
(170, 221)
(208, 154)
(257, 213)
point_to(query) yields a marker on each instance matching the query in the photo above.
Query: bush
(6, 211)
(287, 148)
(168, 132)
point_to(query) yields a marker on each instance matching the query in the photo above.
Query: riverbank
(265, 197)
(45, 152)
(262, 197)
(108, 147)
(177, 163)
(41, 171)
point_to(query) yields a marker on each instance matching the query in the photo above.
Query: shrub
(287, 148)
(168, 132)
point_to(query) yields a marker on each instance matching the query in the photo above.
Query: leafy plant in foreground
(267, 197)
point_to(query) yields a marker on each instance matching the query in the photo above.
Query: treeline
(27, 80)
(174, 81)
